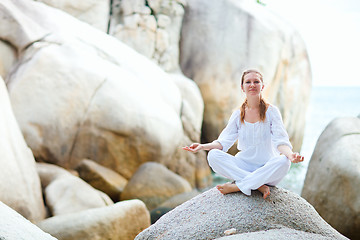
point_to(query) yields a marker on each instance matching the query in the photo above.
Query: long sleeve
(279, 135)
(229, 134)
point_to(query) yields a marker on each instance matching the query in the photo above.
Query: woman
(266, 151)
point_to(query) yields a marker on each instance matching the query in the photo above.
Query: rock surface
(152, 28)
(19, 183)
(102, 178)
(208, 215)
(65, 193)
(94, 97)
(214, 56)
(7, 58)
(153, 183)
(49, 172)
(179, 199)
(276, 234)
(335, 165)
(122, 220)
(171, 203)
(192, 104)
(14, 226)
(94, 12)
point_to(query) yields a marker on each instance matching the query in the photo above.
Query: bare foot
(265, 190)
(227, 188)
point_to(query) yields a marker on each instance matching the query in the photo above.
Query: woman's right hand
(195, 147)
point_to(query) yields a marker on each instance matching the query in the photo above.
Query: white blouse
(258, 141)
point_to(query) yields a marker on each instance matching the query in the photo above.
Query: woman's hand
(296, 158)
(195, 147)
(293, 157)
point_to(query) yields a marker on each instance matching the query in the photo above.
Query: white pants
(244, 174)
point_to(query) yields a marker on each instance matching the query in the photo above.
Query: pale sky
(331, 31)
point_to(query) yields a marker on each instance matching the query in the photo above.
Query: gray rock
(276, 234)
(172, 203)
(179, 199)
(208, 215)
(14, 226)
(332, 180)
(158, 212)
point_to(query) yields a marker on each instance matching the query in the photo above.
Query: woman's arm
(280, 138)
(195, 147)
(225, 140)
(293, 157)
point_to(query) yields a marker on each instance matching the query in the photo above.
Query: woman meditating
(266, 151)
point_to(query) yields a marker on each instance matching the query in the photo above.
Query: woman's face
(252, 84)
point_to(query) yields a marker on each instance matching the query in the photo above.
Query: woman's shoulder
(237, 110)
(235, 113)
(272, 109)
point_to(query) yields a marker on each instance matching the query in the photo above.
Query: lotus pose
(266, 151)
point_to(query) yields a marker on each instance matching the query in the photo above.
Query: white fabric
(247, 176)
(259, 161)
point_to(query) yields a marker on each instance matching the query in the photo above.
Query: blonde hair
(263, 104)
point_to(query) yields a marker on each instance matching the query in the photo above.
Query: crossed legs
(245, 181)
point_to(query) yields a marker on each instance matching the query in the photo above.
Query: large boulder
(94, 97)
(94, 12)
(49, 172)
(150, 27)
(153, 183)
(220, 39)
(332, 180)
(191, 105)
(171, 203)
(14, 226)
(179, 199)
(102, 178)
(8, 58)
(123, 220)
(208, 215)
(19, 183)
(276, 234)
(66, 193)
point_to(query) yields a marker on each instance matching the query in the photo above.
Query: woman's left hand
(296, 158)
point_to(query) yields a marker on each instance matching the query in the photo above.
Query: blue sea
(326, 103)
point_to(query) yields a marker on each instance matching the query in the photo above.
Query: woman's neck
(253, 102)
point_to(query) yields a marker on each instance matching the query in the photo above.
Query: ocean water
(326, 103)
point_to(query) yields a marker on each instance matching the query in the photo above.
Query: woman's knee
(284, 161)
(281, 161)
